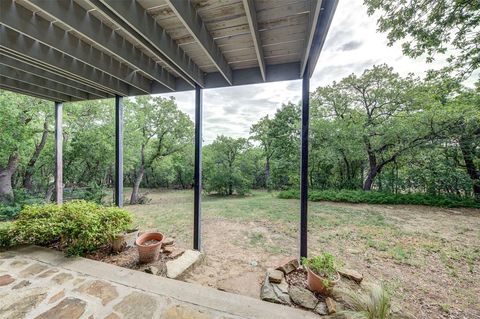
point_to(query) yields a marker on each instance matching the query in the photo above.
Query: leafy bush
(372, 197)
(9, 212)
(7, 237)
(21, 198)
(94, 193)
(78, 226)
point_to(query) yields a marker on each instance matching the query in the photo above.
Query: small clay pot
(149, 253)
(315, 282)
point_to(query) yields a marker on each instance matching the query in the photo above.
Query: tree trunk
(267, 173)
(49, 193)
(373, 167)
(136, 185)
(138, 177)
(372, 173)
(472, 171)
(30, 169)
(6, 173)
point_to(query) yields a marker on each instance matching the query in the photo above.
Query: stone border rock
(276, 289)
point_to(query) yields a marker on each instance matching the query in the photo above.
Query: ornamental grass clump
(75, 227)
(374, 304)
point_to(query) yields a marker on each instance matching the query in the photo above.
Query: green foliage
(95, 193)
(323, 265)
(373, 197)
(10, 211)
(430, 28)
(7, 236)
(225, 171)
(78, 226)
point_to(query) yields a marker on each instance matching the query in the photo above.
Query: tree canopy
(431, 28)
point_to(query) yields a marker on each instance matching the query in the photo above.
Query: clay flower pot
(147, 251)
(316, 283)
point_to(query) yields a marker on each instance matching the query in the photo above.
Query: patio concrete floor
(41, 283)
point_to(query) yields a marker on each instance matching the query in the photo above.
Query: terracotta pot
(315, 282)
(149, 253)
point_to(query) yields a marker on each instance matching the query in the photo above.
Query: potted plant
(322, 274)
(149, 245)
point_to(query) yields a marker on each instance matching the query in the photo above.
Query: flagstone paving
(41, 283)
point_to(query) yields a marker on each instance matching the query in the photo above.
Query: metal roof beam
(48, 75)
(251, 13)
(312, 27)
(79, 19)
(321, 30)
(25, 77)
(29, 89)
(192, 21)
(20, 45)
(134, 19)
(24, 21)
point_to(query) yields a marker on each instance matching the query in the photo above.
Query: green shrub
(9, 212)
(78, 226)
(374, 197)
(7, 235)
(21, 197)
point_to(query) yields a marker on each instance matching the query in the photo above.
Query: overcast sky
(352, 45)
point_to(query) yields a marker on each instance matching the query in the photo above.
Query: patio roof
(74, 50)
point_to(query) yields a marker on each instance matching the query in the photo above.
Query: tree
(433, 27)
(285, 128)
(223, 166)
(262, 132)
(21, 119)
(39, 146)
(384, 109)
(89, 143)
(462, 118)
(159, 129)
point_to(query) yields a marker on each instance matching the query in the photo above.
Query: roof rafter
(24, 21)
(26, 88)
(192, 21)
(312, 27)
(25, 77)
(251, 13)
(76, 17)
(327, 12)
(18, 64)
(135, 20)
(15, 43)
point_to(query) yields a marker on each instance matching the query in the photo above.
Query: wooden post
(58, 153)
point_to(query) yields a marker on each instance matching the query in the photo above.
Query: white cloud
(352, 45)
